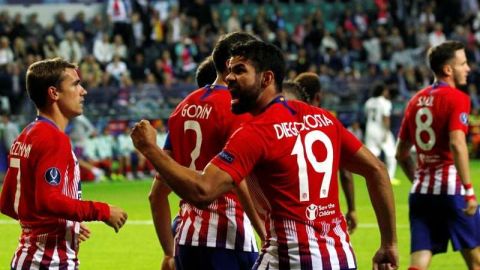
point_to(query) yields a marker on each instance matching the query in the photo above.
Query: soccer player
(442, 202)
(293, 91)
(292, 150)
(220, 235)
(310, 83)
(42, 184)
(378, 136)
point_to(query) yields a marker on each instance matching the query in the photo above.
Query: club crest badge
(464, 118)
(52, 176)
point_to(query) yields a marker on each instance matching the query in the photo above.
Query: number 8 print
(424, 126)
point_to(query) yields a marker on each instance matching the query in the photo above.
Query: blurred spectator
(19, 48)
(116, 69)
(91, 72)
(6, 54)
(103, 49)
(119, 12)
(78, 23)
(69, 48)
(15, 87)
(119, 47)
(437, 36)
(233, 23)
(18, 27)
(61, 26)
(34, 29)
(138, 69)
(50, 48)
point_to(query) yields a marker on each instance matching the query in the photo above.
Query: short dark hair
(378, 89)
(264, 56)
(310, 83)
(43, 74)
(221, 51)
(206, 73)
(295, 89)
(439, 55)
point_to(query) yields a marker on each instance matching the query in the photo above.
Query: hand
(471, 207)
(84, 233)
(168, 263)
(386, 258)
(352, 221)
(143, 135)
(118, 217)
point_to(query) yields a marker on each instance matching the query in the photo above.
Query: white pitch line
(149, 222)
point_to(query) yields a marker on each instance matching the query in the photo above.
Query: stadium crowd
(140, 59)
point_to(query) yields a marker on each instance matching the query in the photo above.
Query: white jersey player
(378, 136)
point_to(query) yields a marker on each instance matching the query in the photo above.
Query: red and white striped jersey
(198, 129)
(42, 191)
(429, 117)
(291, 153)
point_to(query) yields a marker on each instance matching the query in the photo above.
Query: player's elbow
(203, 196)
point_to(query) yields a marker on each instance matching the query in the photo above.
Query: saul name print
(425, 101)
(20, 149)
(310, 121)
(196, 111)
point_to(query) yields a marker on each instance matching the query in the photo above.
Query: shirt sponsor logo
(464, 118)
(52, 176)
(226, 156)
(313, 211)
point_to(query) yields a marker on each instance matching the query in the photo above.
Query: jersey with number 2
(198, 129)
(292, 152)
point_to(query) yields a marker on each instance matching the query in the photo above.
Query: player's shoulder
(45, 134)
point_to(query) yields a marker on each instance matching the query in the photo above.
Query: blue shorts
(434, 219)
(188, 257)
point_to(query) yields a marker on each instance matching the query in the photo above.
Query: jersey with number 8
(292, 152)
(429, 117)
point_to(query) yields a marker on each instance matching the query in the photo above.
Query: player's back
(430, 116)
(198, 129)
(296, 152)
(200, 126)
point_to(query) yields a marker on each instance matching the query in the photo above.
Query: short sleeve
(460, 112)
(349, 143)
(242, 151)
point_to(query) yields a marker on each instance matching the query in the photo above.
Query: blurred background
(138, 58)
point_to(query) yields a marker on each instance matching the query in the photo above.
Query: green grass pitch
(136, 246)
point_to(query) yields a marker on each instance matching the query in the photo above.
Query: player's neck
(219, 81)
(444, 82)
(265, 99)
(60, 121)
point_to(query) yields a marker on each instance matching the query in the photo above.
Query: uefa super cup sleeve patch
(52, 176)
(464, 118)
(226, 156)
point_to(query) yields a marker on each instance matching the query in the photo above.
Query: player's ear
(267, 78)
(447, 70)
(52, 93)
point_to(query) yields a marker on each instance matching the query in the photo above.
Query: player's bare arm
(405, 160)
(458, 146)
(249, 208)
(199, 188)
(161, 215)
(373, 170)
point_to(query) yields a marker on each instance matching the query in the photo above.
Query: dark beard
(245, 104)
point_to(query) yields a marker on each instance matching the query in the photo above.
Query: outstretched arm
(198, 188)
(381, 196)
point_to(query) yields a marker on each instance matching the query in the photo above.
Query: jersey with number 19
(198, 129)
(42, 191)
(429, 117)
(292, 153)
